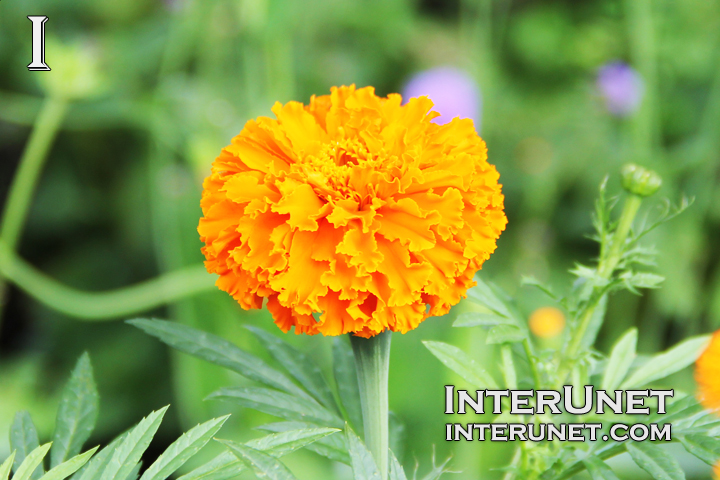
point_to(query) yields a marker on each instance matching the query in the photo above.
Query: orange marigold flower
(707, 374)
(351, 214)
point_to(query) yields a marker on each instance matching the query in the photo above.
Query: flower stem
(606, 268)
(31, 164)
(372, 360)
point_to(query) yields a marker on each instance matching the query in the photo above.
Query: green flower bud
(639, 180)
(75, 71)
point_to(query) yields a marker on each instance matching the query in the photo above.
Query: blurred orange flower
(547, 322)
(351, 214)
(707, 374)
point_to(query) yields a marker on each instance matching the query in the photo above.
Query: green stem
(372, 360)
(23, 186)
(606, 268)
(110, 305)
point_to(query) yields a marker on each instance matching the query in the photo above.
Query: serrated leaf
(460, 363)
(621, 358)
(182, 449)
(98, 462)
(135, 472)
(264, 465)
(363, 463)
(703, 447)
(347, 381)
(598, 469)
(490, 296)
(279, 404)
(31, 462)
(77, 413)
(300, 366)
(332, 446)
(396, 470)
(24, 439)
(131, 449)
(226, 465)
(6, 466)
(505, 334)
(65, 469)
(668, 362)
(478, 319)
(217, 350)
(655, 461)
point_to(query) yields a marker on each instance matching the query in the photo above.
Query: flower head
(351, 214)
(707, 374)
(452, 91)
(621, 87)
(547, 322)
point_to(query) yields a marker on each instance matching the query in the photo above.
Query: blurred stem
(23, 186)
(103, 305)
(606, 267)
(372, 360)
(641, 34)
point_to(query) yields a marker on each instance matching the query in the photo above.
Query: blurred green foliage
(174, 80)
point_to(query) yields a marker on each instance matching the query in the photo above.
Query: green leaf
(490, 296)
(226, 465)
(77, 413)
(300, 366)
(31, 462)
(363, 463)
(505, 334)
(24, 439)
(667, 363)
(98, 463)
(182, 449)
(331, 446)
(460, 363)
(598, 469)
(131, 449)
(217, 350)
(66, 469)
(279, 404)
(6, 466)
(264, 465)
(621, 358)
(396, 470)
(655, 461)
(347, 381)
(703, 447)
(478, 319)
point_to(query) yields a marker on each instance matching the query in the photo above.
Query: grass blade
(183, 449)
(77, 413)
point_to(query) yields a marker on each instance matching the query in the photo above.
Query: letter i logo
(38, 43)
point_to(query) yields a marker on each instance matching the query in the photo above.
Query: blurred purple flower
(621, 87)
(452, 91)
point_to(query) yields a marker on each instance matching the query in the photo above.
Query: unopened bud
(639, 180)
